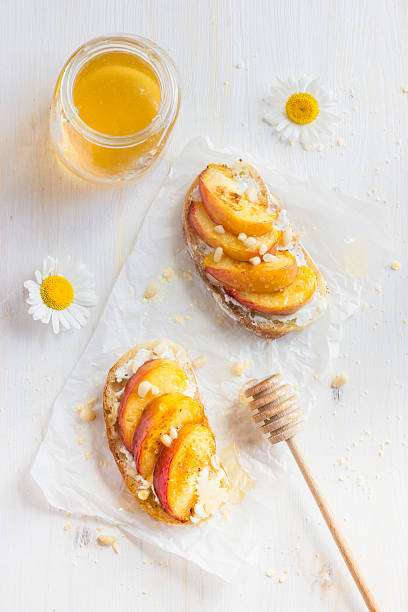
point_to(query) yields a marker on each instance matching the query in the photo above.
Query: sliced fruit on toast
(261, 278)
(228, 205)
(161, 376)
(178, 467)
(164, 414)
(204, 227)
(284, 302)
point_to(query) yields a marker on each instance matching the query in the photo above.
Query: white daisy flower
(301, 110)
(61, 293)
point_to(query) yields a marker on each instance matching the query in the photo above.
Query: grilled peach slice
(164, 374)
(177, 469)
(160, 416)
(243, 276)
(204, 227)
(284, 302)
(227, 205)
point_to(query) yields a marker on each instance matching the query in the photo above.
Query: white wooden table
(360, 48)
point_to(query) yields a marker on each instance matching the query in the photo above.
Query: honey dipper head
(274, 407)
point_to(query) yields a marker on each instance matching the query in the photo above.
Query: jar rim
(154, 56)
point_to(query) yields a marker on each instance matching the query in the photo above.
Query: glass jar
(104, 158)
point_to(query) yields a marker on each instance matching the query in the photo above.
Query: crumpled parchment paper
(335, 227)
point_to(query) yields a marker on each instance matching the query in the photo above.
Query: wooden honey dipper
(275, 408)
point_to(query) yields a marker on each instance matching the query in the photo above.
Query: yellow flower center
(56, 292)
(302, 108)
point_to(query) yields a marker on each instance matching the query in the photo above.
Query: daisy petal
(63, 320)
(46, 316)
(85, 298)
(71, 319)
(38, 312)
(55, 321)
(31, 285)
(32, 299)
(282, 125)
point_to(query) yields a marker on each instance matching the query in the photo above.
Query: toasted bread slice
(266, 325)
(124, 459)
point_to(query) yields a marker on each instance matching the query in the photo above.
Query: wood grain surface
(356, 441)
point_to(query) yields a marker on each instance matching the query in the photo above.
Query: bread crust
(118, 450)
(264, 325)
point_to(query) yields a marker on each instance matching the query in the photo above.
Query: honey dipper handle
(333, 526)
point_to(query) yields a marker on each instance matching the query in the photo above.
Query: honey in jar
(115, 104)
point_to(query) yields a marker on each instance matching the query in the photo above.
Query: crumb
(131, 290)
(281, 579)
(339, 142)
(316, 376)
(240, 65)
(150, 291)
(80, 440)
(378, 288)
(168, 274)
(395, 265)
(199, 362)
(341, 478)
(270, 573)
(291, 143)
(86, 413)
(88, 456)
(299, 572)
(178, 319)
(239, 367)
(405, 90)
(67, 526)
(188, 275)
(144, 592)
(364, 306)
(108, 540)
(339, 380)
